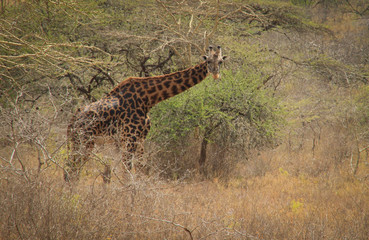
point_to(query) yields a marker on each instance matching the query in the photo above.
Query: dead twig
(169, 222)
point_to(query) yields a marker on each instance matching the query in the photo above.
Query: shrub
(234, 113)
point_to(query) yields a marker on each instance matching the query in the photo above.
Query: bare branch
(169, 222)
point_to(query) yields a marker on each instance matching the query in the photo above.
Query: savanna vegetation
(282, 137)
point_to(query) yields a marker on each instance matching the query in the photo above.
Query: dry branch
(169, 222)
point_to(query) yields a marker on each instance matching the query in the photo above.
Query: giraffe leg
(140, 151)
(78, 157)
(147, 126)
(138, 156)
(132, 139)
(129, 151)
(132, 153)
(139, 165)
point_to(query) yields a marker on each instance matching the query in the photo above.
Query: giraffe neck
(167, 86)
(152, 90)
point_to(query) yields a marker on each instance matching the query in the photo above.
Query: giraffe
(124, 112)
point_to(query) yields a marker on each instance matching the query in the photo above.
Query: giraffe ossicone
(124, 112)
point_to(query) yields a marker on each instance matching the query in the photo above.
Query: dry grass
(278, 194)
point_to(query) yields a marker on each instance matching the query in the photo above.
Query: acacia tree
(36, 61)
(236, 114)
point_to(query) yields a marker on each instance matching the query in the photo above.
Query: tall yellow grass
(296, 196)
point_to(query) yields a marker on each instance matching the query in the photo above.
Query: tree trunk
(202, 158)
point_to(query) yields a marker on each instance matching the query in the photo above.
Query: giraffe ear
(224, 58)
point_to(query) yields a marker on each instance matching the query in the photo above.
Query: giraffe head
(214, 60)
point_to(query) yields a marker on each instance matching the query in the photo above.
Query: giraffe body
(124, 112)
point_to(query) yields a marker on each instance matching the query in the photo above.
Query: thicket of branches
(62, 54)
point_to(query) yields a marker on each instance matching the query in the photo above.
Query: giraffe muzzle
(216, 76)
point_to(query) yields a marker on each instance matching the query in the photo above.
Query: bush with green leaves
(234, 113)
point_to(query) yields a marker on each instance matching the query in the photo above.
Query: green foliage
(237, 104)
